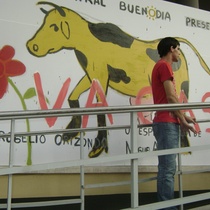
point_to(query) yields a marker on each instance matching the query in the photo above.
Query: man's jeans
(167, 136)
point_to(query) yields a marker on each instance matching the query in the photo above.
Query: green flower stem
(29, 161)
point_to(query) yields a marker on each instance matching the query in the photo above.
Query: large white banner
(60, 54)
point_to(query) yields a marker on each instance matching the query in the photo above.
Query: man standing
(166, 124)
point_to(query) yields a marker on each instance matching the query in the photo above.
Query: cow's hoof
(98, 149)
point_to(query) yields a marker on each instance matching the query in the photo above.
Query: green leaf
(31, 92)
(47, 100)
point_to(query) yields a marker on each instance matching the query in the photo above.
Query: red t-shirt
(162, 71)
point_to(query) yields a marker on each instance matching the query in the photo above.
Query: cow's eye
(54, 26)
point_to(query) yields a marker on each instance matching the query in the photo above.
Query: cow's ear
(65, 29)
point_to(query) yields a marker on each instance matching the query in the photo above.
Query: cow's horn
(44, 11)
(59, 9)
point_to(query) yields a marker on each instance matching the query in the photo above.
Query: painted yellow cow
(106, 53)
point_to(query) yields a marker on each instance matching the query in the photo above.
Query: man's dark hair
(165, 45)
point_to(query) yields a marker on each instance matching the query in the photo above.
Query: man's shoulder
(162, 65)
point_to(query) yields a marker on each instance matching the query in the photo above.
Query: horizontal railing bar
(22, 114)
(107, 184)
(92, 161)
(203, 121)
(174, 202)
(31, 133)
(107, 169)
(147, 179)
(57, 131)
(143, 180)
(42, 203)
(111, 184)
(195, 171)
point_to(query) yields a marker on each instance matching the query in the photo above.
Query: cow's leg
(81, 87)
(101, 142)
(74, 123)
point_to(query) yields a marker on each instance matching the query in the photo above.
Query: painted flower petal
(14, 68)
(7, 53)
(3, 86)
(1, 69)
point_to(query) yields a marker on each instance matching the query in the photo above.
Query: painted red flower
(8, 67)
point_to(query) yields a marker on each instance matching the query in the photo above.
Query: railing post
(82, 173)
(11, 160)
(134, 162)
(180, 175)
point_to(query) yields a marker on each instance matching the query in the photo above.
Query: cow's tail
(202, 62)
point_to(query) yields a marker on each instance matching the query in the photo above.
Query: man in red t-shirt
(166, 124)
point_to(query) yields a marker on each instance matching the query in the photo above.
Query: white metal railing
(134, 156)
